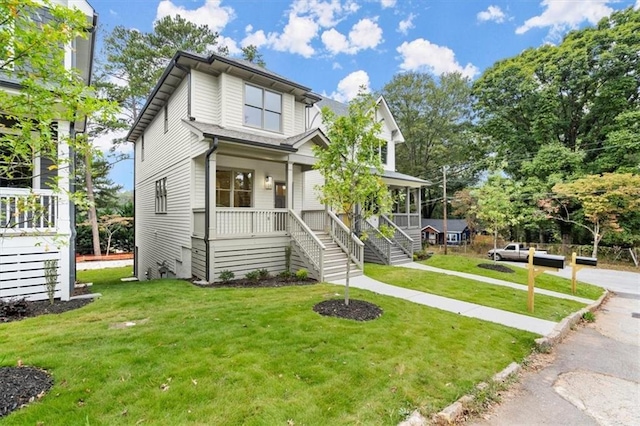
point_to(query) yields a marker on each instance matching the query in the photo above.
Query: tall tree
(603, 200)
(435, 116)
(250, 53)
(351, 166)
(570, 94)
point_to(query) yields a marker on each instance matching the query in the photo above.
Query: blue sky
(335, 46)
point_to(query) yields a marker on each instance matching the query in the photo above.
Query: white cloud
(104, 143)
(210, 13)
(325, 13)
(296, 36)
(406, 24)
(258, 38)
(561, 16)
(365, 34)
(230, 44)
(349, 86)
(493, 13)
(387, 3)
(336, 66)
(422, 55)
(113, 12)
(637, 6)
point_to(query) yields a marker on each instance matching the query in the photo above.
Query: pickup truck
(512, 251)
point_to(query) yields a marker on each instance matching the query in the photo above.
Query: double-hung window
(161, 195)
(234, 188)
(262, 108)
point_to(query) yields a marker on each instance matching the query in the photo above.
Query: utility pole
(444, 207)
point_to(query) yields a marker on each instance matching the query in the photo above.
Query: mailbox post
(577, 263)
(537, 265)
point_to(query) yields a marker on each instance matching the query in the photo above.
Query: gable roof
(453, 225)
(181, 64)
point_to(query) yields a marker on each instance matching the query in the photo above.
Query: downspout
(207, 184)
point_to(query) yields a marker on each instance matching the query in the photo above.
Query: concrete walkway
(510, 319)
(414, 265)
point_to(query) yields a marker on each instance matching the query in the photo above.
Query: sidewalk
(510, 319)
(414, 265)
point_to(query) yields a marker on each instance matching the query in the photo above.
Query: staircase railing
(341, 235)
(308, 242)
(403, 241)
(377, 242)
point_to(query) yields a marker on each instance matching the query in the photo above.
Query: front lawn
(248, 356)
(494, 296)
(519, 276)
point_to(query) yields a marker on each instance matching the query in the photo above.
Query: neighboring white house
(224, 179)
(29, 238)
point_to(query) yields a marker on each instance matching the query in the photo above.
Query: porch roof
(453, 225)
(289, 144)
(403, 179)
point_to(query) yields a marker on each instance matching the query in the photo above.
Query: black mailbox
(588, 261)
(548, 260)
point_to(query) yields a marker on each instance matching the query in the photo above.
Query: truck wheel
(497, 257)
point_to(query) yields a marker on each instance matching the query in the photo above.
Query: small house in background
(458, 231)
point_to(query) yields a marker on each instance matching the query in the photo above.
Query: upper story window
(383, 152)
(262, 108)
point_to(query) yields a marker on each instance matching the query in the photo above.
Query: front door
(280, 195)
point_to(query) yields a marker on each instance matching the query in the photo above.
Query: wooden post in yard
(532, 279)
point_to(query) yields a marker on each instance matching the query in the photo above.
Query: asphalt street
(594, 375)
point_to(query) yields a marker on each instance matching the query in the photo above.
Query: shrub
(589, 316)
(263, 273)
(302, 274)
(422, 255)
(253, 275)
(227, 276)
(51, 277)
(285, 275)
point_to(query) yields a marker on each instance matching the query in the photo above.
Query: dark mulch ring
(21, 385)
(358, 310)
(268, 282)
(496, 267)
(17, 309)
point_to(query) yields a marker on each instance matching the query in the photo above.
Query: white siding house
(42, 229)
(224, 179)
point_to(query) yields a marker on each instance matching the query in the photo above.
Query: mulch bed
(496, 267)
(20, 386)
(268, 282)
(358, 310)
(17, 309)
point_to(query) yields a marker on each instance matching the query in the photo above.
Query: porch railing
(250, 222)
(404, 241)
(315, 219)
(25, 210)
(380, 244)
(341, 235)
(308, 242)
(404, 220)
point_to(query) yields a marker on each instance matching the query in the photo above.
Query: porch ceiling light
(268, 182)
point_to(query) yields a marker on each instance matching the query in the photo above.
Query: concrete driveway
(593, 377)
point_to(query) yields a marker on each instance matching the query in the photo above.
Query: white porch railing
(404, 220)
(377, 242)
(404, 241)
(341, 235)
(315, 219)
(308, 242)
(24, 210)
(250, 222)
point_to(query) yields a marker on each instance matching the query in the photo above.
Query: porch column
(212, 195)
(64, 213)
(290, 185)
(407, 205)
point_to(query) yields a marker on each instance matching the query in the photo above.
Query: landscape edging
(454, 411)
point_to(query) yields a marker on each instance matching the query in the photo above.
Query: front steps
(335, 260)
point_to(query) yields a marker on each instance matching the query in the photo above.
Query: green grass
(494, 296)
(248, 356)
(519, 276)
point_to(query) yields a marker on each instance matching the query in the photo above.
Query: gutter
(207, 185)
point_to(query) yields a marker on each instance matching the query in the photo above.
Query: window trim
(232, 189)
(161, 196)
(263, 109)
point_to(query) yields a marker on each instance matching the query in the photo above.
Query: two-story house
(36, 223)
(224, 178)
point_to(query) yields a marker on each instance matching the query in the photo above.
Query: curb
(453, 412)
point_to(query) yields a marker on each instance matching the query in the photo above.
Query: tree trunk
(93, 216)
(495, 244)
